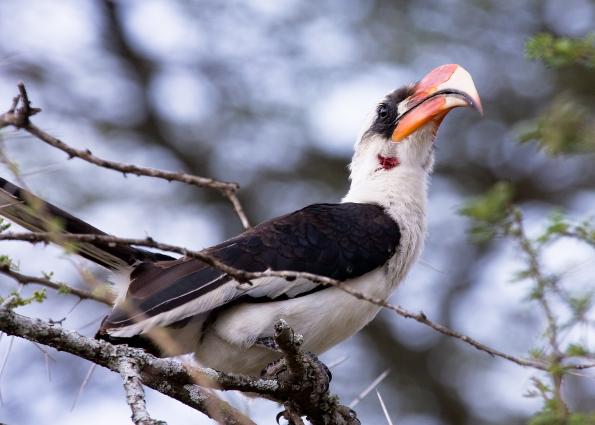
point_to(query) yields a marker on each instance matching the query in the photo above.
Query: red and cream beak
(444, 88)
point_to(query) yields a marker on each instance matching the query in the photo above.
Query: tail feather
(35, 214)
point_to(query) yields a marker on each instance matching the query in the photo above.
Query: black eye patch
(387, 112)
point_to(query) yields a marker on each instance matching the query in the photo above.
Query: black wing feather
(339, 241)
(35, 214)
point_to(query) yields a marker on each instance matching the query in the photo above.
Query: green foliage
(565, 127)
(561, 51)
(488, 213)
(6, 262)
(63, 289)
(550, 417)
(16, 300)
(580, 306)
(492, 214)
(4, 225)
(576, 350)
(557, 226)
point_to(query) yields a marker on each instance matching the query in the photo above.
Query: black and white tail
(33, 213)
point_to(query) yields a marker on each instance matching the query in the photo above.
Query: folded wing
(339, 241)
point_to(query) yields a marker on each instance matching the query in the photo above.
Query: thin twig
(135, 394)
(290, 344)
(19, 118)
(542, 281)
(167, 376)
(581, 234)
(104, 297)
(244, 276)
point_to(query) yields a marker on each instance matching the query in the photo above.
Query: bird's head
(399, 136)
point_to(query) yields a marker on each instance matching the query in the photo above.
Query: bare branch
(245, 276)
(135, 395)
(19, 118)
(164, 375)
(104, 297)
(305, 381)
(305, 387)
(289, 343)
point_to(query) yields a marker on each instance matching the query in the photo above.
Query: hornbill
(369, 241)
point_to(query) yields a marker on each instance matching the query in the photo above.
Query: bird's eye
(383, 112)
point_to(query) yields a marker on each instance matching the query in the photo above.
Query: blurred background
(272, 94)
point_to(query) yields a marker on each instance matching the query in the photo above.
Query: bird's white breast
(324, 318)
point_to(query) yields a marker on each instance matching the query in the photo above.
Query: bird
(368, 241)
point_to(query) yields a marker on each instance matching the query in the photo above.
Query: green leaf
(4, 225)
(561, 51)
(558, 226)
(18, 301)
(489, 212)
(6, 261)
(576, 350)
(580, 305)
(552, 418)
(565, 127)
(63, 289)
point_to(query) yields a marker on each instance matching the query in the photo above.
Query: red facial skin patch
(388, 162)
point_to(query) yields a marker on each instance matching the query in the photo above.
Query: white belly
(324, 318)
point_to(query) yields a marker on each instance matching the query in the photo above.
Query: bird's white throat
(401, 190)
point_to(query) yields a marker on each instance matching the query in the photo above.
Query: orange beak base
(443, 89)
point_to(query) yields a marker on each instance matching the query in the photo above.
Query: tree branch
(306, 387)
(19, 118)
(245, 277)
(167, 376)
(305, 382)
(100, 296)
(135, 395)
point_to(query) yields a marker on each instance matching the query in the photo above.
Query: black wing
(339, 241)
(37, 215)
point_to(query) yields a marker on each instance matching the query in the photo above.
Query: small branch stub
(305, 382)
(130, 370)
